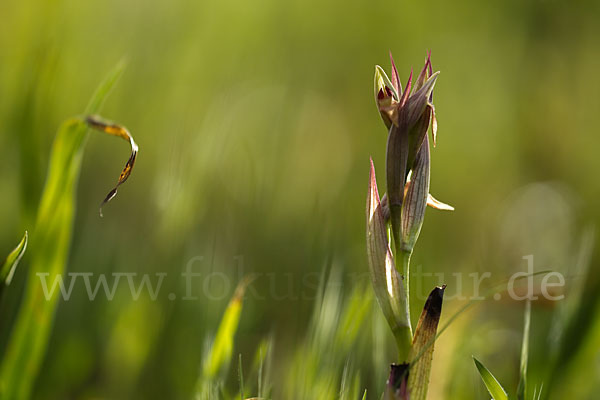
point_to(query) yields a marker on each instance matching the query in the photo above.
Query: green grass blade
(262, 367)
(10, 264)
(52, 237)
(241, 377)
(260, 375)
(522, 388)
(104, 89)
(491, 383)
(222, 347)
(538, 395)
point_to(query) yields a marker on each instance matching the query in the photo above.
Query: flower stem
(405, 255)
(404, 340)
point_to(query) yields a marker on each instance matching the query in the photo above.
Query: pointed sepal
(438, 205)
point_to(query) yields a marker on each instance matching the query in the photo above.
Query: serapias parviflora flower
(407, 113)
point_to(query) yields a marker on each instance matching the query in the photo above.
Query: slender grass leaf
(261, 365)
(582, 315)
(241, 377)
(422, 347)
(491, 383)
(522, 388)
(52, 237)
(12, 260)
(538, 395)
(222, 347)
(353, 318)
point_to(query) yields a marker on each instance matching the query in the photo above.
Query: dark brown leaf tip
(433, 305)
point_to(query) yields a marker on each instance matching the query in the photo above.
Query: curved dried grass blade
(111, 128)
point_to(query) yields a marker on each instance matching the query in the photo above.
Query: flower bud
(407, 114)
(386, 96)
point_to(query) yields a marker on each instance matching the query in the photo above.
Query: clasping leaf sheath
(387, 283)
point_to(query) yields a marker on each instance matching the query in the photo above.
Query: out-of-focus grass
(256, 121)
(328, 362)
(26, 347)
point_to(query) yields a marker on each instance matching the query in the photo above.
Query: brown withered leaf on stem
(421, 352)
(111, 128)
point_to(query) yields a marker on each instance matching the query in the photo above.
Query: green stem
(404, 342)
(403, 335)
(405, 255)
(403, 338)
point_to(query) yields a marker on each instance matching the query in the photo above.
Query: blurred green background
(255, 122)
